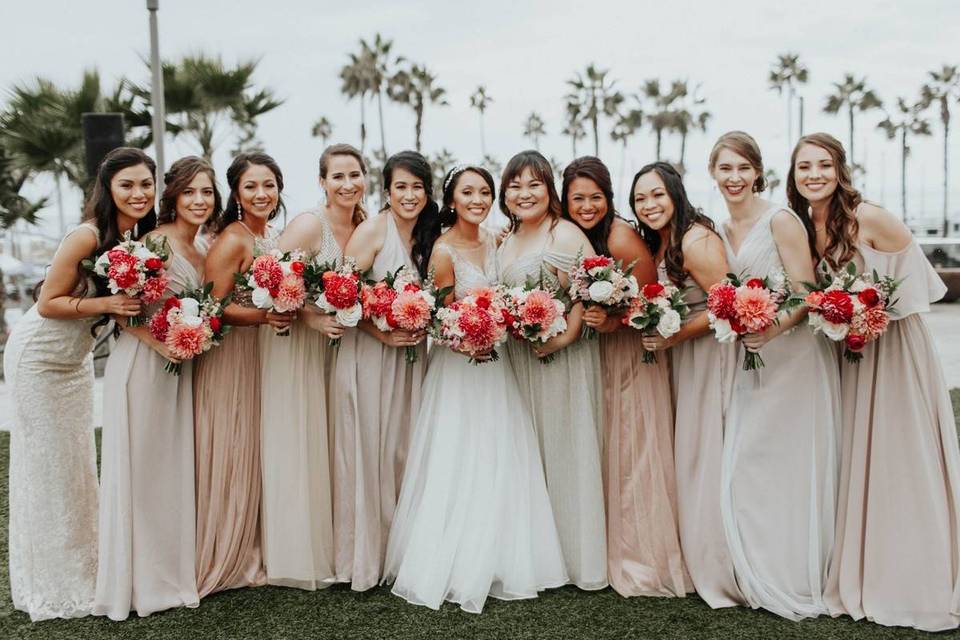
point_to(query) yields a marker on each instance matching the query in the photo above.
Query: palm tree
(626, 127)
(479, 101)
(658, 107)
(376, 57)
(492, 165)
(440, 163)
(943, 86)
(13, 206)
(245, 114)
(773, 180)
(909, 123)
(533, 128)
(595, 95)
(786, 73)
(574, 124)
(689, 116)
(415, 88)
(855, 96)
(355, 84)
(322, 129)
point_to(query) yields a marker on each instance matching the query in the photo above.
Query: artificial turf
(274, 612)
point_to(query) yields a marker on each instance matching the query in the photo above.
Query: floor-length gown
(377, 396)
(48, 367)
(297, 510)
(779, 469)
(565, 399)
(226, 409)
(643, 544)
(147, 514)
(702, 372)
(474, 517)
(897, 555)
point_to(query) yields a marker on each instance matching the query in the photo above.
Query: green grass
(566, 613)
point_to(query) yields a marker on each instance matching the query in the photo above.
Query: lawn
(567, 613)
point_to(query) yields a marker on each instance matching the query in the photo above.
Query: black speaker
(102, 133)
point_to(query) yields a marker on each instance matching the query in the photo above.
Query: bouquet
(189, 324)
(659, 307)
(538, 314)
(853, 308)
(601, 281)
(275, 280)
(400, 301)
(736, 307)
(337, 291)
(134, 267)
(475, 324)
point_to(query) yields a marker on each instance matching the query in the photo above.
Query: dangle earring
(239, 211)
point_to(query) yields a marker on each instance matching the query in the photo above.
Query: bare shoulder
(371, 228)
(699, 236)
(881, 228)
(305, 222)
(568, 235)
(232, 240)
(785, 222)
(624, 242)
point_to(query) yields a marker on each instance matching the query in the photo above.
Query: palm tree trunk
(853, 158)
(419, 126)
(623, 159)
(790, 118)
(659, 139)
(946, 155)
(801, 116)
(573, 139)
(60, 214)
(596, 136)
(363, 126)
(383, 144)
(683, 150)
(483, 140)
(903, 172)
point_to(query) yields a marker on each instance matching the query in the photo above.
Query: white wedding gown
(474, 518)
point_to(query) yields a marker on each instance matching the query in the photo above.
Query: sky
(523, 52)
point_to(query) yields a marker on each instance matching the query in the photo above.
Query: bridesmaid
(779, 469)
(49, 370)
(147, 514)
(643, 545)
(377, 392)
(690, 254)
(564, 395)
(898, 530)
(226, 388)
(295, 378)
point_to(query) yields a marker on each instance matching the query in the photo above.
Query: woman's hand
(280, 321)
(655, 342)
(325, 323)
(120, 304)
(164, 351)
(402, 338)
(594, 316)
(755, 341)
(551, 346)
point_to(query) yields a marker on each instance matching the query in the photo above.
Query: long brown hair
(741, 143)
(540, 168)
(177, 179)
(591, 168)
(231, 212)
(842, 225)
(359, 211)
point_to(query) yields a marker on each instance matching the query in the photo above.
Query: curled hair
(591, 168)
(177, 179)
(842, 225)
(240, 164)
(742, 144)
(685, 215)
(428, 226)
(540, 168)
(359, 211)
(448, 215)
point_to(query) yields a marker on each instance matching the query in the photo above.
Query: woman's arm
(628, 247)
(225, 258)
(882, 230)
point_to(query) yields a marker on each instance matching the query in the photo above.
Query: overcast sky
(523, 52)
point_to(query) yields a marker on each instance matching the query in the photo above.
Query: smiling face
(258, 191)
(134, 191)
(527, 196)
(815, 173)
(407, 194)
(344, 183)
(195, 204)
(735, 176)
(652, 202)
(586, 202)
(472, 197)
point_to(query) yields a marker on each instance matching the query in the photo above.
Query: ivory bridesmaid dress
(377, 397)
(897, 557)
(147, 513)
(779, 467)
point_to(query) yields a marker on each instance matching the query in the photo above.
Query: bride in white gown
(474, 519)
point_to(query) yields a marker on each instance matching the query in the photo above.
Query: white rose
(190, 307)
(633, 289)
(601, 291)
(776, 280)
(722, 329)
(428, 298)
(835, 332)
(141, 252)
(192, 321)
(816, 321)
(669, 323)
(381, 323)
(858, 285)
(323, 304)
(350, 317)
(261, 298)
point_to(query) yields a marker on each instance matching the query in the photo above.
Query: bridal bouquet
(275, 280)
(475, 324)
(401, 301)
(189, 324)
(134, 267)
(538, 314)
(660, 307)
(736, 307)
(601, 281)
(853, 308)
(336, 290)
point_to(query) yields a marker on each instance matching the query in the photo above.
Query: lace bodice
(329, 250)
(468, 273)
(535, 266)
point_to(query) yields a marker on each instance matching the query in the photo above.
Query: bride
(474, 518)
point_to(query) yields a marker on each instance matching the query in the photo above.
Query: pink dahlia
(538, 308)
(185, 341)
(755, 309)
(290, 295)
(153, 289)
(410, 311)
(267, 272)
(871, 323)
(720, 300)
(123, 269)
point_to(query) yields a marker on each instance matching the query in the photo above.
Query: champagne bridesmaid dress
(48, 367)
(898, 529)
(779, 467)
(297, 509)
(147, 514)
(376, 400)
(226, 409)
(565, 398)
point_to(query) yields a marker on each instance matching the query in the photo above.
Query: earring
(239, 211)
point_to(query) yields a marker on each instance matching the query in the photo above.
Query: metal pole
(156, 94)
